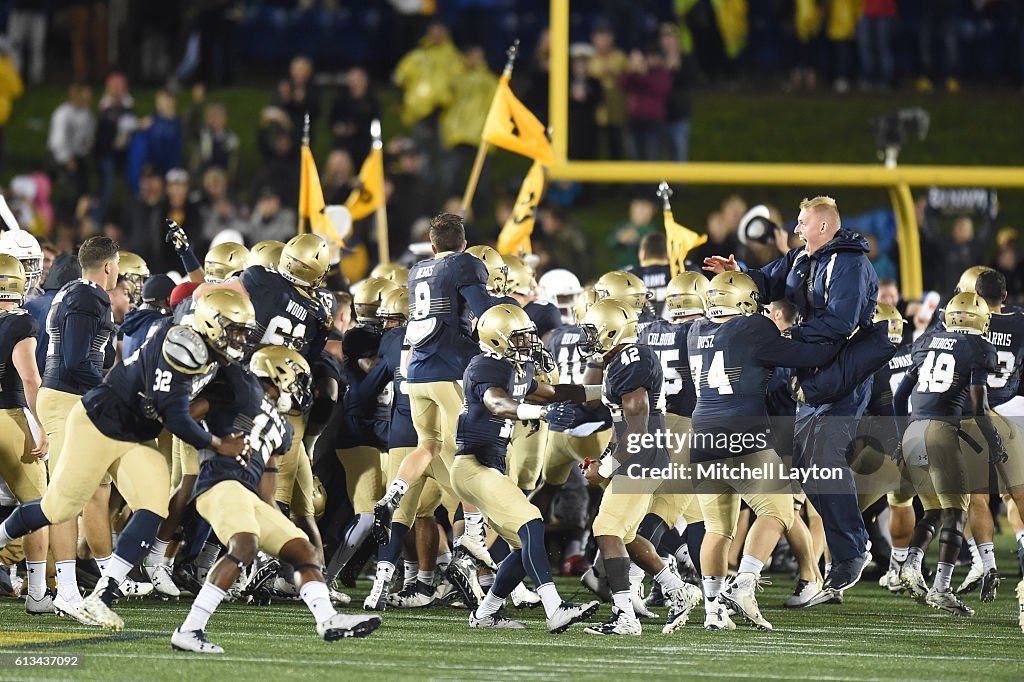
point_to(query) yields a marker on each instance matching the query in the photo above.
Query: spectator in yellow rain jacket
(11, 88)
(462, 122)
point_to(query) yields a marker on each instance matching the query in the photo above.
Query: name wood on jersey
(297, 310)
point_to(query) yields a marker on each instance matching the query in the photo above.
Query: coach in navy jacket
(834, 287)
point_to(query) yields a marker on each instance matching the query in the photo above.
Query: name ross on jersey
(943, 344)
(293, 308)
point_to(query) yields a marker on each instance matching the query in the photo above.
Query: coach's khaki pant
(562, 452)
(295, 473)
(525, 458)
(721, 509)
(503, 504)
(363, 477)
(138, 469)
(231, 508)
(26, 477)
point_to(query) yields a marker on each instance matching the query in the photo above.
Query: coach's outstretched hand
(717, 264)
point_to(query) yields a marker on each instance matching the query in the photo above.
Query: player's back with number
(635, 367)
(668, 341)
(729, 378)
(563, 344)
(286, 315)
(1006, 333)
(947, 364)
(444, 293)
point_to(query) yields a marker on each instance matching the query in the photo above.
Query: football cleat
(496, 621)
(377, 600)
(445, 592)
(339, 598)
(6, 584)
(382, 514)
(419, 596)
(284, 587)
(462, 574)
(340, 626)
(474, 544)
(948, 601)
(989, 585)
(187, 575)
(803, 595)
(263, 571)
(195, 641)
(716, 615)
(163, 584)
(595, 584)
(133, 589)
(681, 601)
(914, 582)
(568, 613)
(72, 610)
(972, 580)
(847, 573)
(1020, 604)
(524, 598)
(38, 606)
(95, 609)
(636, 595)
(740, 595)
(618, 624)
(890, 580)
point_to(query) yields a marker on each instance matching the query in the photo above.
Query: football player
(497, 384)
(654, 269)
(134, 269)
(266, 253)
(366, 297)
(227, 494)
(632, 389)
(444, 293)
(392, 271)
(562, 288)
(950, 365)
(21, 466)
(522, 287)
(731, 355)
(111, 429)
(497, 271)
(23, 246)
(80, 325)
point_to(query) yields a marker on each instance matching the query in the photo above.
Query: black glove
(897, 455)
(996, 450)
(544, 361)
(176, 236)
(562, 415)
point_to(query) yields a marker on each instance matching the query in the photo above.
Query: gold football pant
(721, 508)
(525, 458)
(562, 452)
(945, 477)
(138, 469)
(295, 473)
(502, 503)
(435, 412)
(231, 508)
(363, 479)
(25, 476)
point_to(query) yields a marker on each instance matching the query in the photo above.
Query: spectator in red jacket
(647, 82)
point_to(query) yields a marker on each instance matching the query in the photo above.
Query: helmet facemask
(237, 339)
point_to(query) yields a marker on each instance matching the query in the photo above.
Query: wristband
(608, 466)
(527, 412)
(189, 260)
(592, 392)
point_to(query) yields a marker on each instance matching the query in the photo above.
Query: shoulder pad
(185, 350)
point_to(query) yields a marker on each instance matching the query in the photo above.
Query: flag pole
(481, 151)
(381, 215)
(665, 194)
(305, 143)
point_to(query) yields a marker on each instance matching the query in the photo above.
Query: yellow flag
(365, 200)
(510, 125)
(311, 200)
(515, 233)
(731, 17)
(680, 241)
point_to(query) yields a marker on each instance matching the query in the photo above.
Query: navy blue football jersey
(80, 324)
(286, 315)
(15, 326)
(445, 292)
(1006, 333)
(184, 312)
(634, 367)
(393, 352)
(367, 403)
(886, 380)
(152, 388)
(668, 341)
(731, 363)
(544, 315)
(947, 364)
(656, 279)
(563, 344)
(238, 403)
(480, 432)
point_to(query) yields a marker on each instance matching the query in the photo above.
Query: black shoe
(989, 585)
(382, 513)
(845, 574)
(461, 573)
(184, 576)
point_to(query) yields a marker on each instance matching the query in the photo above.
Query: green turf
(874, 636)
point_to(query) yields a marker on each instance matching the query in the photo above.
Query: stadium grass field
(873, 636)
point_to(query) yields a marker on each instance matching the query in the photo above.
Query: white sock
(489, 606)
(712, 585)
(385, 571)
(443, 559)
(102, 562)
(411, 569)
(549, 598)
(897, 557)
(943, 576)
(36, 578)
(1019, 534)
(988, 556)
(668, 580)
(750, 564)
(208, 556)
(915, 556)
(624, 603)
(318, 599)
(157, 553)
(828, 568)
(636, 572)
(486, 580)
(67, 581)
(207, 601)
(4, 537)
(683, 555)
(396, 490)
(117, 569)
(425, 577)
